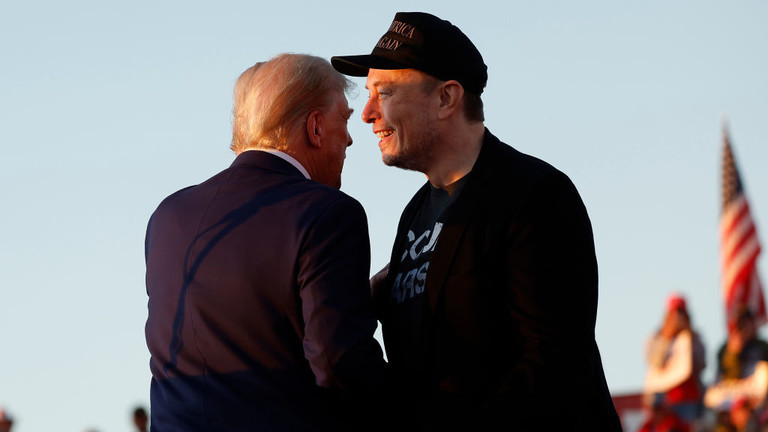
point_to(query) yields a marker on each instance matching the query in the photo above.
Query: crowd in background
(675, 396)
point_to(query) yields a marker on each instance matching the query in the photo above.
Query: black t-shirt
(405, 325)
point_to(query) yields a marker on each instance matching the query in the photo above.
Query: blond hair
(272, 99)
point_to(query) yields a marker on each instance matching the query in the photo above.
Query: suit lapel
(457, 218)
(382, 297)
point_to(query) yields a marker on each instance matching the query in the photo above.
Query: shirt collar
(286, 157)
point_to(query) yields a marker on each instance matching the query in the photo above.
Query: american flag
(739, 245)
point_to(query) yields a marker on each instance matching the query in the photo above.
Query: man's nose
(370, 111)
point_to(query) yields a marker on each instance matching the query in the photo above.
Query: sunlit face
(335, 141)
(401, 106)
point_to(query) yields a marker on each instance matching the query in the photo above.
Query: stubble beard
(415, 157)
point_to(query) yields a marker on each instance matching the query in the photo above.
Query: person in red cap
(676, 357)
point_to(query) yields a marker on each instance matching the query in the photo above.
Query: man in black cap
(488, 307)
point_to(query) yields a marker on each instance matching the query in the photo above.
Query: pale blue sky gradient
(107, 107)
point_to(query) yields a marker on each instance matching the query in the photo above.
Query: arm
(335, 299)
(378, 279)
(657, 350)
(551, 282)
(755, 387)
(676, 369)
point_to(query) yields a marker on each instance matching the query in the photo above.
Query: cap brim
(359, 65)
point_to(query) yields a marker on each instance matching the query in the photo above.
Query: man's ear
(451, 94)
(315, 128)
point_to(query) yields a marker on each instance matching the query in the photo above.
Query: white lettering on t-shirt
(410, 282)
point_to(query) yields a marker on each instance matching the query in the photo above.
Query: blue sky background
(107, 107)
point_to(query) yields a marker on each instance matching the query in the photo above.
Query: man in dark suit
(489, 304)
(260, 313)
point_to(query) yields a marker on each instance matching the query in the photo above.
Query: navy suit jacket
(510, 307)
(260, 313)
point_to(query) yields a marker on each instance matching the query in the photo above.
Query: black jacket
(511, 305)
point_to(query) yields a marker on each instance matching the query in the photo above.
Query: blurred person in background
(6, 421)
(676, 358)
(741, 378)
(140, 419)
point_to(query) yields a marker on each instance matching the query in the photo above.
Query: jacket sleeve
(551, 297)
(336, 303)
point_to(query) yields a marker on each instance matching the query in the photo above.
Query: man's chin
(398, 161)
(391, 160)
(387, 159)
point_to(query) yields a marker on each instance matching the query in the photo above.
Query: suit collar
(266, 160)
(458, 215)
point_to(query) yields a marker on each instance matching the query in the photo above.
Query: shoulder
(184, 196)
(323, 196)
(526, 183)
(171, 202)
(295, 195)
(509, 166)
(330, 207)
(332, 220)
(683, 339)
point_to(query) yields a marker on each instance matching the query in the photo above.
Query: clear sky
(107, 107)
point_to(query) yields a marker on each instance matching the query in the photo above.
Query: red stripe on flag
(740, 248)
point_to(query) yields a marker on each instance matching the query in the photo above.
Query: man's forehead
(343, 106)
(394, 76)
(338, 102)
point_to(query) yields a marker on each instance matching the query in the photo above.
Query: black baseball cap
(418, 40)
